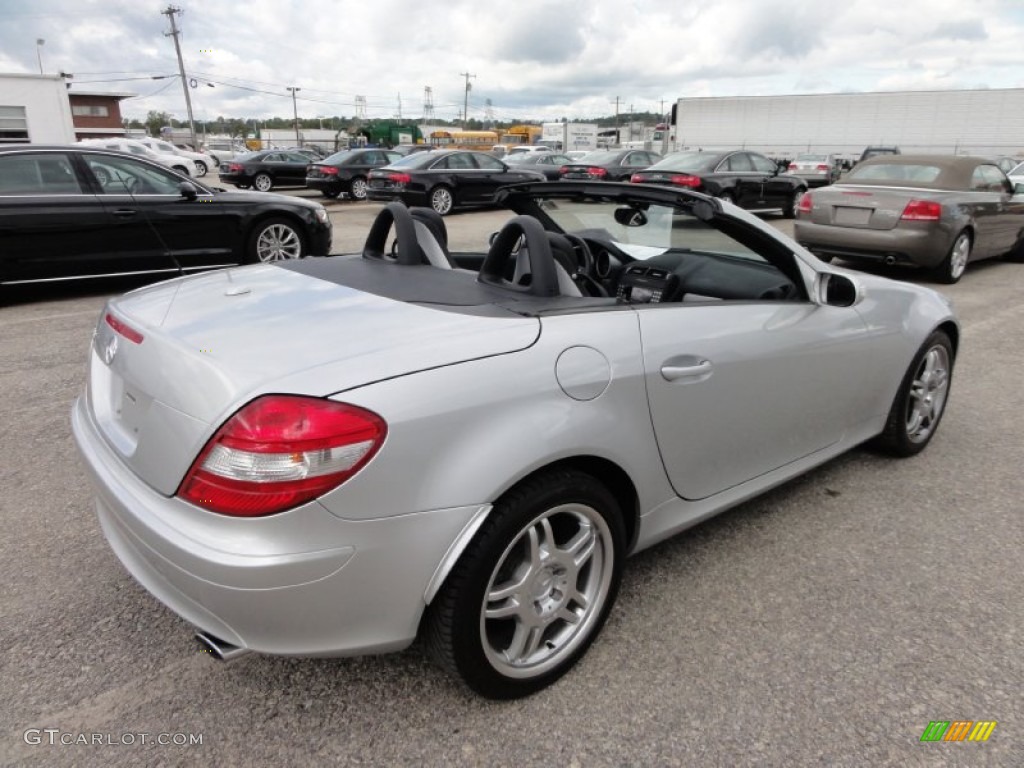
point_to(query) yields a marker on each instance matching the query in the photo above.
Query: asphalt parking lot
(826, 623)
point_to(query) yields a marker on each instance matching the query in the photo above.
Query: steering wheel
(585, 272)
(544, 278)
(406, 248)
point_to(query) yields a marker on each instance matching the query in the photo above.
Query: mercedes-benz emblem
(110, 350)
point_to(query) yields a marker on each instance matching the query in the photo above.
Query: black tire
(262, 182)
(274, 239)
(201, 168)
(183, 171)
(953, 266)
(357, 188)
(442, 199)
(789, 211)
(920, 400)
(524, 563)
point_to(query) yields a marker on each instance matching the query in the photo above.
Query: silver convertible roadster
(339, 455)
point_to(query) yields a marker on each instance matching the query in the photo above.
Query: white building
(36, 109)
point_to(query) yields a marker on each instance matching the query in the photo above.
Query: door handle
(125, 213)
(673, 371)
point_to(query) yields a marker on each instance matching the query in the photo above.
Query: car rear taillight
(822, 167)
(596, 172)
(922, 210)
(805, 204)
(686, 180)
(792, 167)
(328, 170)
(280, 451)
(564, 170)
(399, 178)
(124, 329)
(234, 167)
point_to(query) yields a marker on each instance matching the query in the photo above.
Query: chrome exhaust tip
(221, 649)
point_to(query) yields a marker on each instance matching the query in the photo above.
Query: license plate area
(849, 216)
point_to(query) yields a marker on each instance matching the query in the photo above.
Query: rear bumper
(921, 246)
(303, 582)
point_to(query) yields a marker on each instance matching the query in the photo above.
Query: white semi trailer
(989, 122)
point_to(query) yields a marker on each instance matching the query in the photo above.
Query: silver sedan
(471, 444)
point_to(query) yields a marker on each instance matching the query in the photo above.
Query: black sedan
(78, 211)
(609, 165)
(266, 169)
(445, 179)
(347, 171)
(548, 163)
(747, 179)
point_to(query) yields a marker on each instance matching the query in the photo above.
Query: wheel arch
(952, 330)
(604, 471)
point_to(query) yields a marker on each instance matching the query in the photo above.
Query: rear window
(895, 172)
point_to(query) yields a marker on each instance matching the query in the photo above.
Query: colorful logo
(958, 730)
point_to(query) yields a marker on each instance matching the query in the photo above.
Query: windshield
(338, 157)
(684, 161)
(805, 158)
(643, 231)
(894, 172)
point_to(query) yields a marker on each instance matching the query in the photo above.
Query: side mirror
(188, 190)
(837, 290)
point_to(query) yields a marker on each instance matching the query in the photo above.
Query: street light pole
(465, 101)
(295, 111)
(39, 52)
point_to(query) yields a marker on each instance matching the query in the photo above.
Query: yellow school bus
(480, 140)
(522, 134)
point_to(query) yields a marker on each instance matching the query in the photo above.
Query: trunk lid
(865, 207)
(213, 342)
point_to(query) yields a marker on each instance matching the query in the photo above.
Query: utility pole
(170, 12)
(465, 101)
(39, 52)
(617, 141)
(295, 111)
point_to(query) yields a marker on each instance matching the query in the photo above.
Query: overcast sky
(531, 59)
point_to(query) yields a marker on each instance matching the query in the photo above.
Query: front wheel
(921, 399)
(789, 211)
(952, 267)
(533, 588)
(274, 240)
(357, 188)
(442, 200)
(201, 168)
(263, 182)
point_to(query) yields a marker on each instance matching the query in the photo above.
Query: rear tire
(201, 168)
(533, 588)
(920, 400)
(952, 267)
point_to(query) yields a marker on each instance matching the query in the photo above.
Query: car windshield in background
(597, 158)
(895, 173)
(644, 232)
(807, 158)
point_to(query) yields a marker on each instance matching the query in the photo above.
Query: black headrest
(408, 249)
(434, 221)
